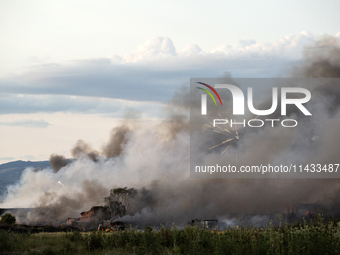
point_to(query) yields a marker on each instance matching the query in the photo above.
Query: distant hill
(11, 172)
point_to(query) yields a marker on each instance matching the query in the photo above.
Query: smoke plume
(83, 149)
(117, 141)
(154, 158)
(58, 161)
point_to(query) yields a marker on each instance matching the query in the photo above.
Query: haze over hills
(10, 172)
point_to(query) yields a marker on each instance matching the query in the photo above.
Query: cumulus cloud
(153, 49)
(289, 47)
(190, 49)
(154, 71)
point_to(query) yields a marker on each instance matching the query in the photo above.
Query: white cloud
(189, 50)
(151, 73)
(290, 47)
(153, 49)
(159, 48)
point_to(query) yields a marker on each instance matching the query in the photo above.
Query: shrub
(8, 218)
(94, 241)
(75, 236)
(5, 240)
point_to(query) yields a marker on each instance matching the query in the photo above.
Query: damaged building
(90, 219)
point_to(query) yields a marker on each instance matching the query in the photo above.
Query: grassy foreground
(318, 237)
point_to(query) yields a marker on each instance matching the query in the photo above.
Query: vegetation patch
(316, 237)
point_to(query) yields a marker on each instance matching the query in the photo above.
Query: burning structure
(300, 210)
(110, 226)
(89, 219)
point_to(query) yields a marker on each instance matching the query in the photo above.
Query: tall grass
(316, 237)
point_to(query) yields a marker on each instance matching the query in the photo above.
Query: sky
(74, 70)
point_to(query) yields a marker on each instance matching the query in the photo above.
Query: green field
(317, 237)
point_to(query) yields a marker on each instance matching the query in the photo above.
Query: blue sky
(72, 70)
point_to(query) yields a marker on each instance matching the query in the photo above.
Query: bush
(75, 236)
(6, 240)
(94, 240)
(8, 218)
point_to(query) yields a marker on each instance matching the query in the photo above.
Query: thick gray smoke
(56, 208)
(82, 149)
(167, 201)
(58, 161)
(117, 141)
(322, 60)
(115, 146)
(154, 158)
